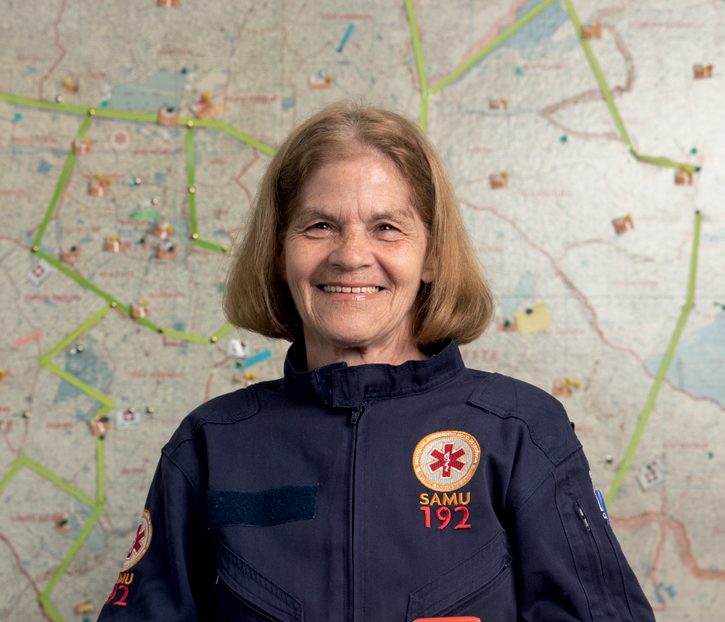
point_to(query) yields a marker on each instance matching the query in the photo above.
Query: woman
(379, 479)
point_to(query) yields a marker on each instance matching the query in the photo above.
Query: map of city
(584, 139)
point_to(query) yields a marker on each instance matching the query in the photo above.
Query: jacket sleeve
(165, 573)
(570, 566)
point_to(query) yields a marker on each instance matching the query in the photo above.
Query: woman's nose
(352, 251)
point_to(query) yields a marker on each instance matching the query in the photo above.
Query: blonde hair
(457, 303)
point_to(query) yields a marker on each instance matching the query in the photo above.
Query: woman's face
(354, 258)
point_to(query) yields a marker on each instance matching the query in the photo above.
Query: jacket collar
(341, 386)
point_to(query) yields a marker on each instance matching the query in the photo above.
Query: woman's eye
(386, 227)
(319, 226)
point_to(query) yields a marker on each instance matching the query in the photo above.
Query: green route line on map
(211, 246)
(60, 186)
(426, 90)
(143, 117)
(663, 368)
(97, 504)
(419, 63)
(609, 99)
(190, 176)
(598, 74)
(456, 73)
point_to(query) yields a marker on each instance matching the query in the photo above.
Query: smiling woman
(380, 479)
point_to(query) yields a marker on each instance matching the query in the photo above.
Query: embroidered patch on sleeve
(446, 460)
(141, 542)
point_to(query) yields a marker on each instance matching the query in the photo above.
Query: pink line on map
(59, 45)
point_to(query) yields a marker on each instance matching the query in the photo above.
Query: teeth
(338, 289)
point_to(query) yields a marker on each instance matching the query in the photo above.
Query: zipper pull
(583, 517)
(357, 413)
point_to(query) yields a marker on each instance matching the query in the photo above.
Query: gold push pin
(189, 123)
(91, 112)
(213, 338)
(59, 99)
(155, 201)
(194, 236)
(160, 331)
(192, 189)
(114, 304)
(137, 181)
(35, 249)
(149, 410)
(80, 347)
(26, 414)
(225, 249)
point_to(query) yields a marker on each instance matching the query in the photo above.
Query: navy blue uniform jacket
(376, 493)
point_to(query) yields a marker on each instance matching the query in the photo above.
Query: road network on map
(112, 303)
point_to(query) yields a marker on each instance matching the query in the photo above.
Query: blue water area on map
(180, 326)
(541, 29)
(288, 103)
(698, 363)
(159, 178)
(44, 167)
(88, 368)
(161, 89)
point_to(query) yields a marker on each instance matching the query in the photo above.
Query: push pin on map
(609, 458)
(4, 375)
(99, 186)
(622, 224)
(169, 4)
(128, 418)
(236, 348)
(683, 177)
(80, 348)
(168, 116)
(70, 255)
(165, 250)
(59, 99)
(592, 31)
(82, 146)
(140, 309)
(70, 85)
(100, 425)
(652, 474)
(498, 104)
(566, 387)
(155, 201)
(205, 108)
(25, 414)
(320, 80)
(163, 229)
(62, 522)
(113, 244)
(499, 180)
(150, 410)
(702, 72)
(137, 181)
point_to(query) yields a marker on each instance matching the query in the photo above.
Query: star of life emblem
(446, 460)
(141, 542)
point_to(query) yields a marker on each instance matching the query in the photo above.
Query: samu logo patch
(141, 542)
(446, 460)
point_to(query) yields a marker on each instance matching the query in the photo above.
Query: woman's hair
(457, 303)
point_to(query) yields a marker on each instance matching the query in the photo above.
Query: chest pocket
(481, 585)
(245, 595)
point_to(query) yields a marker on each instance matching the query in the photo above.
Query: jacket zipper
(354, 418)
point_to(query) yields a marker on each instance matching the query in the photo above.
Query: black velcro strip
(263, 508)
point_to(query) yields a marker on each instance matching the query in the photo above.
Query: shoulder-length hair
(457, 304)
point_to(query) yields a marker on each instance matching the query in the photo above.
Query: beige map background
(587, 131)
